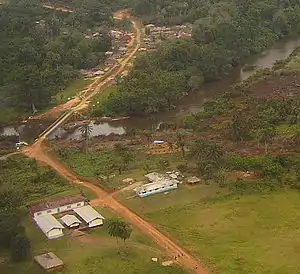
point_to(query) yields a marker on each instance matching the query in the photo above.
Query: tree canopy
(224, 33)
(42, 49)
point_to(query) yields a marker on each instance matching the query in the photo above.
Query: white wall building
(89, 215)
(70, 221)
(57, 205)
(50, 226)
(158, 183)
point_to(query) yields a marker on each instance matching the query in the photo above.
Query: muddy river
(191, 104)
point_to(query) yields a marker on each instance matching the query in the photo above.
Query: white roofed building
(89, 215)
(50, 226)
(70, 221)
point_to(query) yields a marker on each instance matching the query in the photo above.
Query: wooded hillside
(224, 33)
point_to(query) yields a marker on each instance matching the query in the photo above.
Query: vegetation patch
(246, 234)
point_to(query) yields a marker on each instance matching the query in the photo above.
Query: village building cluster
(154, 35)
(158, 183)
(56, 216)
(120, 43)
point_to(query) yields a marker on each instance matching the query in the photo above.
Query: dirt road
(38, 151)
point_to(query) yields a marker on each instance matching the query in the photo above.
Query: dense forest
(41, 50)
(224, 34)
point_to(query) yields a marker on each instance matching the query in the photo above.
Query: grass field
(246, 234)
(96, 253)
(72, 90)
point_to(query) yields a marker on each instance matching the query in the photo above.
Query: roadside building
(156, 187)
(89, 215)
(50, 226)
(157, 183)
(70, 221)
(58, 205)
(49, 261)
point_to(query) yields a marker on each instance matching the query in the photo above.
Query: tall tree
(119, 229)
(20, 248)
(86, 131)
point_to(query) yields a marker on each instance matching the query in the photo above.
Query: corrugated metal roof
(47, 223)
(61, 201)
(87, 213)
(70, 219)
(48, 260)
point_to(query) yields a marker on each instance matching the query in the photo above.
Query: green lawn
(177, 197)
(98, 254)
(247, 234)
(72, 90)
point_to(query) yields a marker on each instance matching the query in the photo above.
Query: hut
(49, 261)
(193, 180)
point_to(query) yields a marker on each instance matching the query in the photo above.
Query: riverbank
(244, 147)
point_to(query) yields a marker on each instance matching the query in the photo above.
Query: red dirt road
(183, 258)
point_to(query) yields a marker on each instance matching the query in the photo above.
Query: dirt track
(38, 151)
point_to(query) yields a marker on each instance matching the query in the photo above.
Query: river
(190, 104)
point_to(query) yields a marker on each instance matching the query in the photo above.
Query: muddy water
(191, 104)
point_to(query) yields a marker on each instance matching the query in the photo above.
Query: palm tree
(266, 135)
(119, 229)
(86, 131)
(180, 142)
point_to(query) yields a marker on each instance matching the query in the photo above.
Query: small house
(50, 226)
(49, 261)
(89, 215)
(193, 180)
(58, 205)
(70, 221)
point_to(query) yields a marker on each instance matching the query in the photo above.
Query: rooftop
(87, 213)
(62, 201)
(157, 185)
(47, 223)
(48, 261)
(70, 219)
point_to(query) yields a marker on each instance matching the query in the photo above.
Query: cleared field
(247, 234)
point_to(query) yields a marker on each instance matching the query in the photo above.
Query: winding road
(39, 151)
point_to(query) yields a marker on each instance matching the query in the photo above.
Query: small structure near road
(193, 180)
(89, 215)
(49, 261)
(158, 183)
(70, 221)
(50, 226)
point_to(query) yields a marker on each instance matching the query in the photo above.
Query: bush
(20, 248)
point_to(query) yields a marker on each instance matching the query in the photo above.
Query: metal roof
(70, 219)
(54, 203)
(47, 223)
(48, 260)
(157, 185)
(88, 214)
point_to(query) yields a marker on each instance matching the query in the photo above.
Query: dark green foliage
(23, 181)
(10, 226)
(41, 50)
(20, 248)
(119, 229)
(224, 33)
